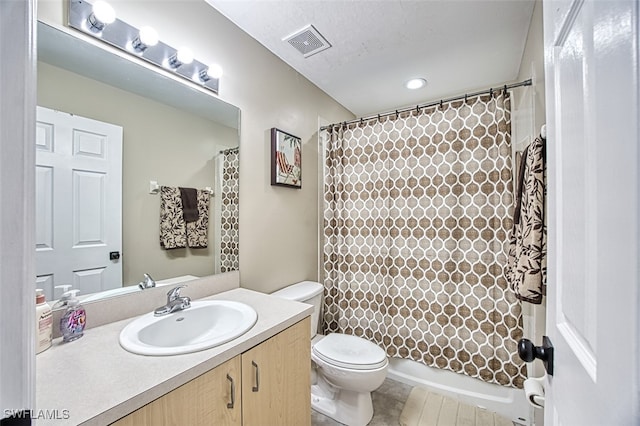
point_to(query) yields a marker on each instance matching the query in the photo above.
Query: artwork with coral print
(286, 159)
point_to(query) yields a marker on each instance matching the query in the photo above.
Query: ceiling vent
(308, 41)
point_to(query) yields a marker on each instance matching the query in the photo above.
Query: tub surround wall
(532, 65)
(528, 117)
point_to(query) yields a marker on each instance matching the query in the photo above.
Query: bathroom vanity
(261, 377)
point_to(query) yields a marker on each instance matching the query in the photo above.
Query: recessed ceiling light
(415, 83)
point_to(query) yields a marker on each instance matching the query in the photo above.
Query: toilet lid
(348, 351)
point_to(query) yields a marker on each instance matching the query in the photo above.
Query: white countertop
(93, 381)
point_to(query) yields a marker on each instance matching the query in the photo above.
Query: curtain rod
(440, 102)
(228, 150)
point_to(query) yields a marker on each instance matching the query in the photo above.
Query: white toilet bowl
(348, 368)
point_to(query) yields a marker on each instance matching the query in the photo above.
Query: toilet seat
(353, 352)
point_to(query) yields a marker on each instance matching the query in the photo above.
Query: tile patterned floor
(388, 402)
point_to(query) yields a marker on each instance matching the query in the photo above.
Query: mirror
(172, 133)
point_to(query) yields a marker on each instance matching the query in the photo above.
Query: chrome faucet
(175, 302)
(148, 282)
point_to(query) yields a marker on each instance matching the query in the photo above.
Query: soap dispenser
(74, 320)
(64, 297)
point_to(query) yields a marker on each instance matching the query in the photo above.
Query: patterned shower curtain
(417, 211)
(229, 248)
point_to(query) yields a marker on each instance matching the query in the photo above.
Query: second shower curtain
(417, 210)
(229, 215)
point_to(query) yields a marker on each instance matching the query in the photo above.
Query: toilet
(345, 368)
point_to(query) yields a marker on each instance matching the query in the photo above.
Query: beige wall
(160, 143)
(279, 226)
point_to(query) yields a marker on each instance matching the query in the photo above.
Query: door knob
(528, 352)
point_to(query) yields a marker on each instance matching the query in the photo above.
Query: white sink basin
(202, 326)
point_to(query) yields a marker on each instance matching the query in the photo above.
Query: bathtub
(508, 402)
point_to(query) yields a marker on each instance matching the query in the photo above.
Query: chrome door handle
(256, 388)
(233, 392)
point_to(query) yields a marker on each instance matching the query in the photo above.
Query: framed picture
(286, 159)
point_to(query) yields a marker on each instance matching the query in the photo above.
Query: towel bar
(154, 188)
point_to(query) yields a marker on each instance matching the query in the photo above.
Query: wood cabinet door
(276, 388)
(206, 400)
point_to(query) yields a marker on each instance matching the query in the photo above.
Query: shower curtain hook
(505, 90)
(418, 109)
(397, 114)
(465, 98)
(441, 107)
(361, 121)
(491, 92)
(378, 117)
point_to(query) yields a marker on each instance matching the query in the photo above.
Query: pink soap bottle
(74, 320)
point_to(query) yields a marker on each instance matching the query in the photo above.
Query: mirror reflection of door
(78, 203)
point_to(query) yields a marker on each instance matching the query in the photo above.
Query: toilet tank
(306, 292)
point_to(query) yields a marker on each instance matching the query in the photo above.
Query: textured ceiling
(456, 45)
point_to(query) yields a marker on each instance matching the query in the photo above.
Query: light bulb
(415, 83)
(102, 14)
(181, 57)
(184, 55)
(148, 36)
(214, 71)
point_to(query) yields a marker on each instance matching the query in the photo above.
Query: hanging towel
(197, 231)
(172, 225)
(527, 266)
(189, 198)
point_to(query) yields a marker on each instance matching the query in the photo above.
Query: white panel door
(591, 61)
(78, 202)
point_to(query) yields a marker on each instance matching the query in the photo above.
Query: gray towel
(189, 197)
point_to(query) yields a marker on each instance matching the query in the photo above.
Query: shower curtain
(417, 210)
(229, 249)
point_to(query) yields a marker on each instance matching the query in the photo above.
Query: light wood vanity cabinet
(276, 374)
(202, 401)
(271, 384)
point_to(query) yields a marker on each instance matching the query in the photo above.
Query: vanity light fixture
(98, 20)
(147, 37)
(102, 14)
(416, 83)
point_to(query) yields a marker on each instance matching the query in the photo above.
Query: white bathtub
(509, 402)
